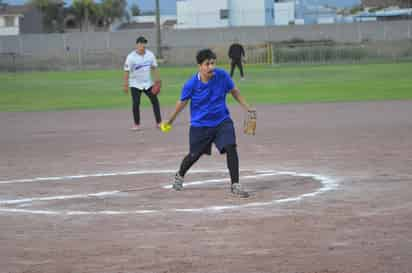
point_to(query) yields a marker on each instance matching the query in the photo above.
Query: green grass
(43, 91)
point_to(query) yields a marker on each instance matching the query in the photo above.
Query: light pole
(159, 36)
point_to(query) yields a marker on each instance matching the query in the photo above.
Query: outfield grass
(42, 91)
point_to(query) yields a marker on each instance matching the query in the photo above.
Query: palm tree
(83, 9)
(112, 10)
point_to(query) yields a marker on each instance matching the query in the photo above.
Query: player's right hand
(165, 127)
(126, 88)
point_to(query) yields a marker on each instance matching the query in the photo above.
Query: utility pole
(159, 36)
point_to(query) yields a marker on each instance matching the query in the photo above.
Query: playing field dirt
(330, 192)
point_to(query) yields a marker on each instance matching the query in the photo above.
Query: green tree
(134, 9)
(356, 9)
(112, 10)
(52, 14)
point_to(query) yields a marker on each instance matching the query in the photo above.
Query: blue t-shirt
(208, 100)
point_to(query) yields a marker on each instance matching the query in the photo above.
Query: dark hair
(205, 54)
(141, 39)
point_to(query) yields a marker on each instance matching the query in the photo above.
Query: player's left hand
(156, 87)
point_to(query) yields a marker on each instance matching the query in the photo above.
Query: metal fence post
(359, 32)
(107, 40)
(64, 49)
(269, 53)
(20, 45)
(21, 51)
(80, 57)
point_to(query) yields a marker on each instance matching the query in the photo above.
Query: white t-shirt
(139, 69)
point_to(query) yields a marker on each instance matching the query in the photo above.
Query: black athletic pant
(237, 63)
(232, 160)
(136, 93)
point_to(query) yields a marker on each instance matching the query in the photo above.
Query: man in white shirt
(137, 76)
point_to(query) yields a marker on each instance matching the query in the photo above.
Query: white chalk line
(80, 176)
(328, 184)
(60, 197)
(109, 193)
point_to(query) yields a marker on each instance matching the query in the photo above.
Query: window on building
(224, 14)
(9, 21)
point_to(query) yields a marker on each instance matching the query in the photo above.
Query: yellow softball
(165, 127)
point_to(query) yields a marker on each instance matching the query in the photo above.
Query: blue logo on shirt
(140, 66)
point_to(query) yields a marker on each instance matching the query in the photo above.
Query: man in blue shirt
(210, 118)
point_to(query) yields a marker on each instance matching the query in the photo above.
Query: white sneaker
(237, 190)
(178, 184)
(135, 127)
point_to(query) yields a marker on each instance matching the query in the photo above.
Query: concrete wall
(108, 49)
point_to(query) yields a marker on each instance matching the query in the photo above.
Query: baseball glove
(156, 87)
(249, 126)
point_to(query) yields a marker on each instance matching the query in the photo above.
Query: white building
(152, 18)
(325, 20)
(10, 20)
(250, 13)
(224, 13)
(284, 13)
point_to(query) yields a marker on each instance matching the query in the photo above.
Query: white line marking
(80, 176)
(328, 184)
(103, 194)
(53, 212)
(61, 197)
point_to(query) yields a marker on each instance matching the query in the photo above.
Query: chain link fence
(327, 51)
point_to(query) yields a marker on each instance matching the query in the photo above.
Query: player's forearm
(126, 78)
(243, 103)
(180, 105)
(156, 73)
(239, 98)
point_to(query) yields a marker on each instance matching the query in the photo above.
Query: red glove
(156, 87)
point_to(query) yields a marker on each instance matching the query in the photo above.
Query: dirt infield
(330, 183)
